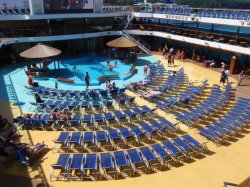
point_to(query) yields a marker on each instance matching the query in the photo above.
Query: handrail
(128, 21)
(141, 46)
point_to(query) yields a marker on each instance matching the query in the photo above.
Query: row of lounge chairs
(183, 98)
(214, 101)
(75, 95)
(157, 69)
(174, 80)
(127, 162)
(85, 121)
(228, 125)
(157, 92)
(77, 106)
(112, 138)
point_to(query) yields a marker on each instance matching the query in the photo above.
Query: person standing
(145, 69)
(164, 52)
(227, 75)
(87, 80)
(182, 56)
(107, 84)
(169, 60)
(56, 85)
(223, 77)
(241, 76)
(30, 81)
(172, 59)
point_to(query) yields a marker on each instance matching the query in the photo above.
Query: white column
(31, 7)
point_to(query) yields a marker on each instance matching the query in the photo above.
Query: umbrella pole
(109, 53)
(116, 55)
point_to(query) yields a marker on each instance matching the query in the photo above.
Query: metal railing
(194, 33)
(142, 45)
(129, 21)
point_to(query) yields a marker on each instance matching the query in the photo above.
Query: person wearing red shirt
(30, 80)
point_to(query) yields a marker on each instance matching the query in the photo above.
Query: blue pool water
(96, 67)
(13, 78)
(92, 65)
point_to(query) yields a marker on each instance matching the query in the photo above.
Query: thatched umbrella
(40, 51)
(121, 42)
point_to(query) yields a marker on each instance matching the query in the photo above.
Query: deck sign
(68, 6)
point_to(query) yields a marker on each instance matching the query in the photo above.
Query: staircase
(142, 44)
(129, 19)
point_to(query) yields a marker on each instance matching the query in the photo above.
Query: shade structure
(40, 51)
(122, 42)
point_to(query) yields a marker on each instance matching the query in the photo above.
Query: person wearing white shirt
(227, 74)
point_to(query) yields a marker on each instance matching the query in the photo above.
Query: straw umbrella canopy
(40, 51)
(122, 42)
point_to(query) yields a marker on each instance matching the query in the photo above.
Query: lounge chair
(176, 153)
(75, 121)
(149, 111)
(142, 114)
(160, 129)
(63, 141)
(123, 164)
(209, 135)
(89, 140)
(161, 154)
(90, 166)
(115, 138)
(102, 139)
(62, 165)
(120, 102)
(148, 129)
(119, 116)
(185, 147)
(138, 133)
(98, 120)
(194, 143)
(75, 168)
(76, 140)
(173, 128)
(109, 119)
(137, 161)
(149, 157)
(87, 120)
(131, 116)
(127, 136)
(107, 165)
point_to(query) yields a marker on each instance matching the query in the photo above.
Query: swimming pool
(96, 67)
(14, 77)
